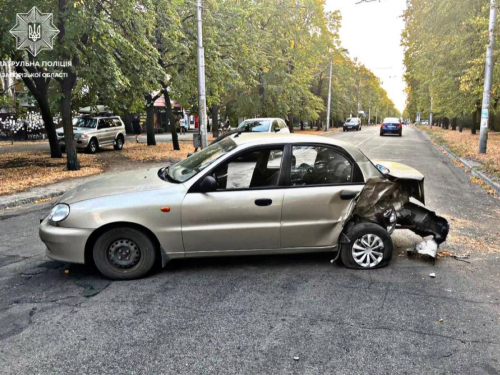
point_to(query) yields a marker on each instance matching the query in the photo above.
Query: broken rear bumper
(423, 222)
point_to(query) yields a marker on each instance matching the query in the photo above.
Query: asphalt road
(253, 315)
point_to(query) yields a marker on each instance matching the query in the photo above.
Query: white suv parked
(92, 132)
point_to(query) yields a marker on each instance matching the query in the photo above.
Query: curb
(488, 181)
(32, 199)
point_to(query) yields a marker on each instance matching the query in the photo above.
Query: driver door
(244, 213)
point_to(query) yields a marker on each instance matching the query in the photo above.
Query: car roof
(265, 138)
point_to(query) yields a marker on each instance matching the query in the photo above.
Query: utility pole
(488, 81)
(369, 115)
(329, 98)
(202, 100)
(430, 115)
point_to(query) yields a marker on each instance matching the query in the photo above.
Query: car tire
(381, 134)
(401, 134)
(343, 129)
(124, 254)
(367, 241)
(93, 146)
(119, 143)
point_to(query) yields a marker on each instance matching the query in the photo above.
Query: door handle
(347, 195)
(263, 202)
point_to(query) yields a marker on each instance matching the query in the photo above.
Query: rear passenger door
(320, 188)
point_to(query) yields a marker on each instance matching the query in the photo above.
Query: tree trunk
(171, 118)
(290, 122)
(150, 123)
(50, 128)
(67, 84)
(215, 120)
(39, 88)
(454, 123)
(474, 122)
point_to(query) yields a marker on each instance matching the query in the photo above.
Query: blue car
(391, 125)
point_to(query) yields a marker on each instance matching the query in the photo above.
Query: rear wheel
(93, 146)
(124, 254)
(370, 247)
(381, 134)
(400, 134)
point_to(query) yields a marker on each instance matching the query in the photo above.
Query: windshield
(187, 168)
(256, 125)
(352, 120)
(84, 122)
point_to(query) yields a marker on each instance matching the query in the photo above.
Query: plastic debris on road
(432, 275)
(427, 247)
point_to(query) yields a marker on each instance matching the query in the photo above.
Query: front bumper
(79, 143)
(64, 244)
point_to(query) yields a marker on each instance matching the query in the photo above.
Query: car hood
(116, 183)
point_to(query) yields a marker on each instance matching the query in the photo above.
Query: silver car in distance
(251, 194)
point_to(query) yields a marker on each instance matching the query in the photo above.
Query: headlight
(59, 213)
(393, 217)
(84, 136)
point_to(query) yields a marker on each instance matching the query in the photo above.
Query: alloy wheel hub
(368, 251)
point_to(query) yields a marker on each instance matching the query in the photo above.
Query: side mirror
(208, 184)
(276, 130)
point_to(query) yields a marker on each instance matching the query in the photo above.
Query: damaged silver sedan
(246, 194)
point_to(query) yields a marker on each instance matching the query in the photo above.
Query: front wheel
(124, 254)
(93, 146)
(370, 247)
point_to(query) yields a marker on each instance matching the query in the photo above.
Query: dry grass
(20, 171)
(142, 153)
(466, 145)
(20, 143)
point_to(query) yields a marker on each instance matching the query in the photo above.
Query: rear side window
(117, 122)
(316, 165)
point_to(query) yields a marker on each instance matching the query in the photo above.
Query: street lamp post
(202, 100)
(488, 80)
(329, 98)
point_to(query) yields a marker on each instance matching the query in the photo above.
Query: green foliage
(262, 57)
(445, 47)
